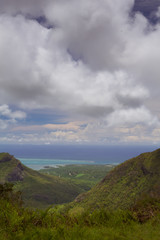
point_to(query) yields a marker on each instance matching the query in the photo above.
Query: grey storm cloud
(30, 7)
(95, 111)
(96, 59)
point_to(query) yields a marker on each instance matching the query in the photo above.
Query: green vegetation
(56, 224)
(125, 205)
(125, 184)
(38, 190)
(84, 176)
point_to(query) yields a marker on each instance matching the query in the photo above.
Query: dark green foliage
(38, 190)
(22, 224)
(146, 208)
(7, 193)
(85, 176)
(128, 217)
(126, 184)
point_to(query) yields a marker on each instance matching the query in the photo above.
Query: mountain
(38, 190)
(129, 182)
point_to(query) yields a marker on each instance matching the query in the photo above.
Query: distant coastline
(38, 164)
(36, 157)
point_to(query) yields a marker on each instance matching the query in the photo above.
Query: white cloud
(7, 116)
(7, 112)
(158, 12)
(96, 63)
(131, 117)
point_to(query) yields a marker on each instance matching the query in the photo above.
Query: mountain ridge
(38, 190)
(126, 184)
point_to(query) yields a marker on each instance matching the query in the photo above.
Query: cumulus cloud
(5, 111)
(131, 117)
(30, 7)
(90, 31)
(98, 62)
(7, 116)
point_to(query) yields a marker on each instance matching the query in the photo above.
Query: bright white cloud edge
(97, 64)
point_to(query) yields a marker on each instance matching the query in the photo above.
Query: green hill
(134, 180)
(126, 184)
(38, 190)
(19, 223)
(84, 176)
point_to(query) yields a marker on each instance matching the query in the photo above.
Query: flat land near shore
(86, 176)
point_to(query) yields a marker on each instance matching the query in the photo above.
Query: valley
(124, 204)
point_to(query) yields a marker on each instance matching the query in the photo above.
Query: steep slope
(124, 185)
(38, 190)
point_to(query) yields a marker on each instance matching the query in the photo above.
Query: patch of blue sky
(40, 117)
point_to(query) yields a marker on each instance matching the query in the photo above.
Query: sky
(84, 72)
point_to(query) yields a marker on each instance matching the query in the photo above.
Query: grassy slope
(38, 190)
(103, 224)
(125, 184)
(84, 176)
(21, 224)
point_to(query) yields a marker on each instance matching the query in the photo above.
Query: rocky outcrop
(17, 173)
(6, 158)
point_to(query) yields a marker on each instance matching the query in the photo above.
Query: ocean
(39, 156)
